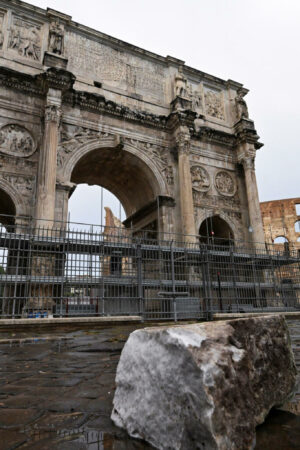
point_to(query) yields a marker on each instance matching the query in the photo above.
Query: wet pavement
(57, 394)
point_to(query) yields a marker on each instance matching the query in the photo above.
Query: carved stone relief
(56, 37)
(156, 153)
(200, 178)
(204, 200)
(25, 38)
(16, 140)
(72, 138)
(225, 183)
(214, 105)
(24, 184)
(168, 174)
(1, 31)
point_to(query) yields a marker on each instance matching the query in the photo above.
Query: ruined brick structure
(281, 221)
(174, 144)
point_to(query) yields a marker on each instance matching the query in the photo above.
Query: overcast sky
(254, 42)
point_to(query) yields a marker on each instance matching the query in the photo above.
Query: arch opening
(7, 210)
(90, 205)
(215, 230)
(280, 240)
(120, 172)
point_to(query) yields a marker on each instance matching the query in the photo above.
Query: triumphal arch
(174, 144)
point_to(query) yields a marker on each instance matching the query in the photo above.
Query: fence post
(206, 284)
(173, 281)
(17, 273)
(140, 279)
(234, 278)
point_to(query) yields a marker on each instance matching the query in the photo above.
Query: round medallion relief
(16, 140)
(225, 184)
(200, 179)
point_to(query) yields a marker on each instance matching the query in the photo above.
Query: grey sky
(255, 43)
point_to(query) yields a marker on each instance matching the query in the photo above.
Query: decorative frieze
(205, 200)
(16, 140)
(25, 38)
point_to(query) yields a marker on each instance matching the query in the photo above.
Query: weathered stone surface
(203, 385)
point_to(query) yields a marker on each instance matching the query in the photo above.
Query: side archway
(214, 229)
(11, 205)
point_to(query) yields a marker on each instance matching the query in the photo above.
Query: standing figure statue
(180, 84)
(241, 106)
(56, 38)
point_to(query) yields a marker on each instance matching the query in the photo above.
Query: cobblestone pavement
(57, 394)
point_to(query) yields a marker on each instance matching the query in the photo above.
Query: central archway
(122, 173)
(123, 169)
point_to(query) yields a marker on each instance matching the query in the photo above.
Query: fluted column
(185, 185)
(247, 159)
(45, 197)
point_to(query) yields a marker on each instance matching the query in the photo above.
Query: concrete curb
(67, 322)
(228, 316)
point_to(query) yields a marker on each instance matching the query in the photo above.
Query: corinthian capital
(246, 156)
(183, 141)
(249, 162)
(52, 114)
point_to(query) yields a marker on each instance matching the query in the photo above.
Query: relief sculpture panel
(225, 183)
(16, 140)
(214, 104)
(200, 179)
(25, 38)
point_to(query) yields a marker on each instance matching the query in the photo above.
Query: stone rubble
(203, 386)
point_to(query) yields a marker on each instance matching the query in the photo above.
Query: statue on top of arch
(241, 106)
(181, 84)
(56, 37)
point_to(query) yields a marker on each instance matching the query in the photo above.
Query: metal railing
(78, 270)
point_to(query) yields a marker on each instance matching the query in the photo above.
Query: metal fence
(67, 271)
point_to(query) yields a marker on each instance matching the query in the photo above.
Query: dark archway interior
(215, 229)
(7, 209)
(122, 173)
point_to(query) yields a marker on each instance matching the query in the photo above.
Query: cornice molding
(20, 82)
(98, 103)
(207, 134)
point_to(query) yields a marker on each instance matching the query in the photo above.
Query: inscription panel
(89, 58)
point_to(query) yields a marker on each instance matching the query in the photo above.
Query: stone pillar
(185, 185)
(45, 197)
(247, 159)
